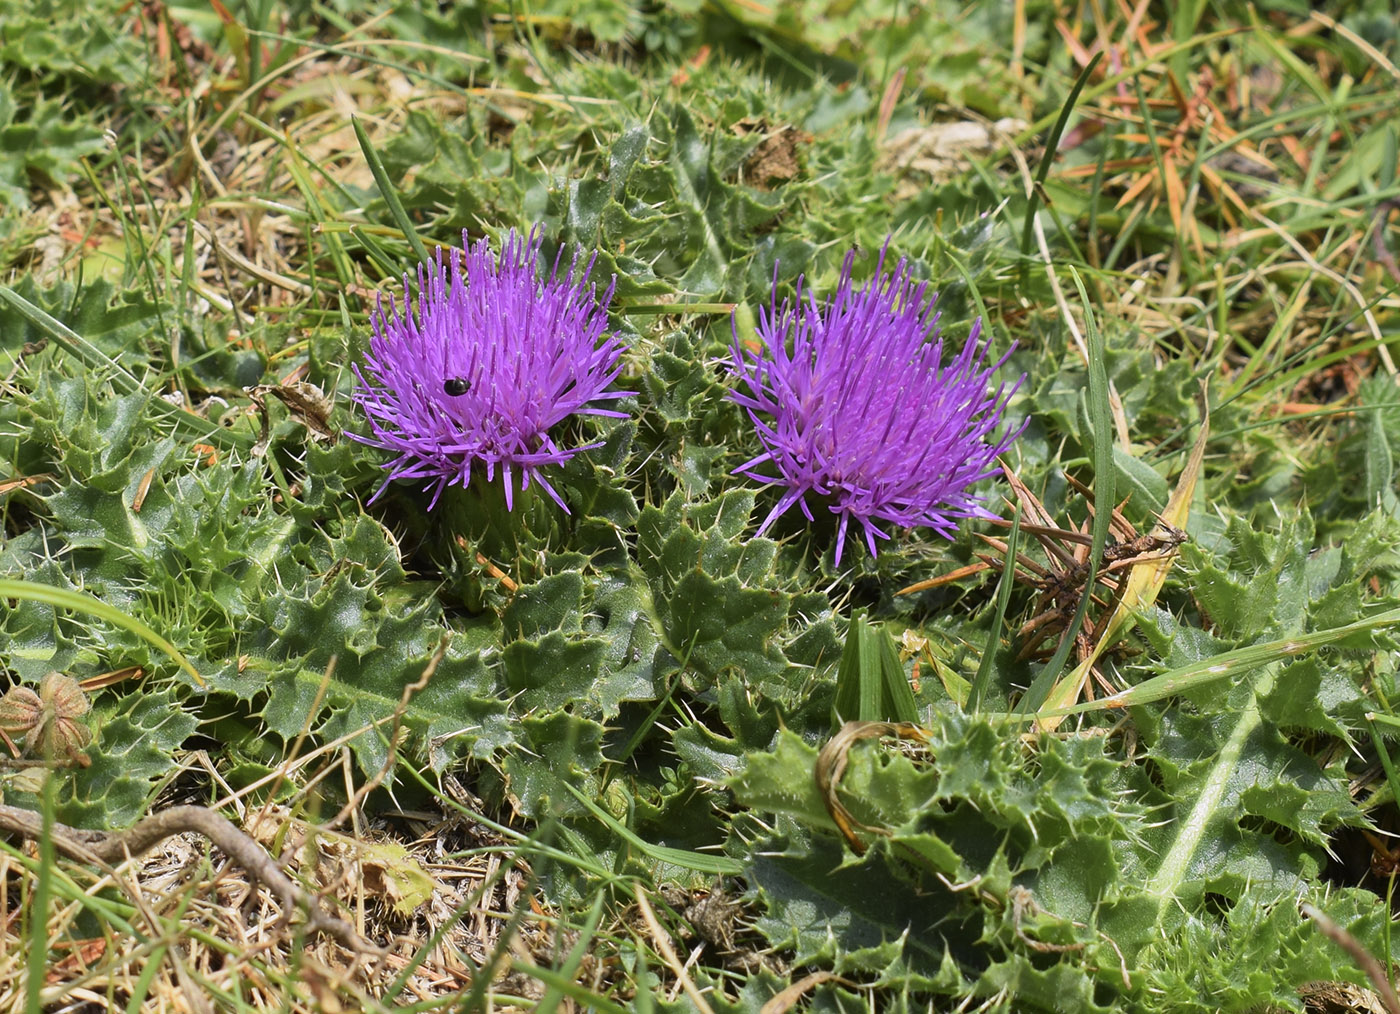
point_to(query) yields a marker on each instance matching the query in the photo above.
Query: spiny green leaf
(67, 599)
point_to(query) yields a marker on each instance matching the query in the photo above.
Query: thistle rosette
(851, 404)
(492, 361)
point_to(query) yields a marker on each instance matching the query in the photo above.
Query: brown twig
(110, 848)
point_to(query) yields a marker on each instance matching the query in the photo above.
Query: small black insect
(456, 385)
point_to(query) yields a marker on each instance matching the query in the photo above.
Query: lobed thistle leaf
(852, 403)
(494, 359)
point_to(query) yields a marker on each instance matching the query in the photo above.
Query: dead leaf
(786, 998)
(944, 150)
(389, 870)
(774, 161)
(306, 402)
(1144, 581)
(386, 868)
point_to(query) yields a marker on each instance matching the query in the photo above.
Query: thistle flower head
(852, 403)
(494, 358)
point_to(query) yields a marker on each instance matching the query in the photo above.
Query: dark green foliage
(1067, 850)
(870, 684)
(63, 38)
(53, 48)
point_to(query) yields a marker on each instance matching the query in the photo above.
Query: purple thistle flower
(492, 361)
(852, 404)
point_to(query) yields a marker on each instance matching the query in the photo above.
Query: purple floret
(851, 403)
(494, 358)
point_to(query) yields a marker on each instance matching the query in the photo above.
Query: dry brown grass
(434, 891)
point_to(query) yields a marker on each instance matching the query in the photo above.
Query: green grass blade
(78, 602)
(296, 168)
(568, 971)
(1105, 497)
(850, 702)
(95, 359)
(71, 342)
(587, 999)
(1231, 663)
(386, 190)
(645, 729)
(897, 697)
(531, 845)
(870, 683)
(697, 861)
(142, 989)
(983, 676)
(868, 675)
(1052, 143)
(1383, 752)
(38, 938)
(392, 268)
(641, 1003)
(1185, 17)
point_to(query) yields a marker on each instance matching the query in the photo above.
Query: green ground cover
(612, 758)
